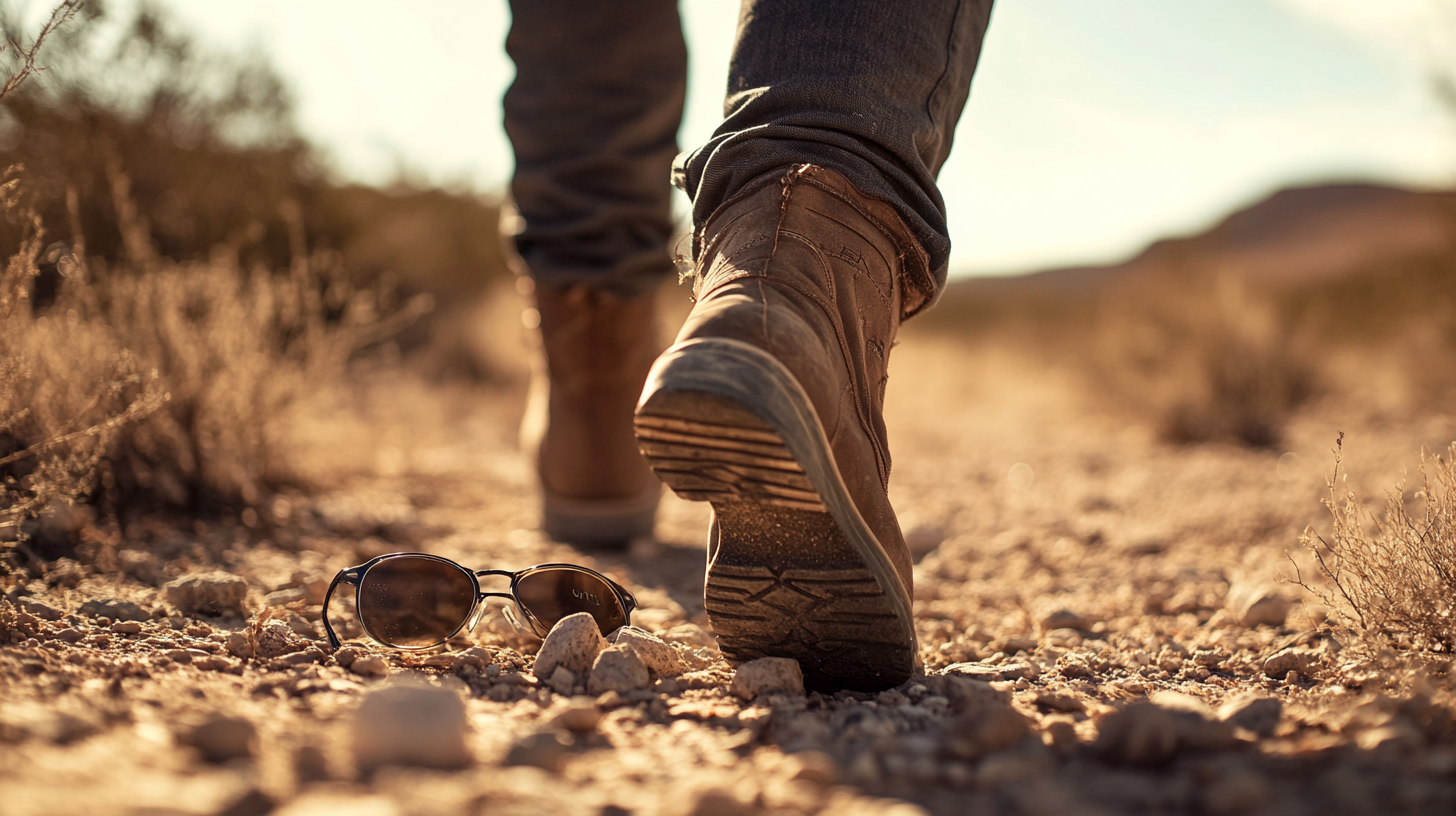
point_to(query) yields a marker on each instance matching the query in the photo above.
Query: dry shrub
(156, 365)
(1392, 581)
(234, 346)
(1206, 359)
(54, 425)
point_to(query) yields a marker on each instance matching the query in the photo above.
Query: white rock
(768, 675)
(619, 669)
(574, 642)
(661, 659)
(410, 725)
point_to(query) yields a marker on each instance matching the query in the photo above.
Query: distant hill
(1297, 235)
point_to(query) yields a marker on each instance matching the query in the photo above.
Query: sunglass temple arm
(343, 576)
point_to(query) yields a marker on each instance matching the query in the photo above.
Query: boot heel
(793, 570)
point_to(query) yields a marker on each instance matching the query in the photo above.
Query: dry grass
(143, 377)
(1205, 360)
(1393, 581)
(232, 346)
(54, 426)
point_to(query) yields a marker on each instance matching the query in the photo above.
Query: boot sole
(794, 570)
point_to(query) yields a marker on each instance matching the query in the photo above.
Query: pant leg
(871, 88)
(592, 116)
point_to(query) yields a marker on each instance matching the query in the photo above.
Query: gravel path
(1101, 624)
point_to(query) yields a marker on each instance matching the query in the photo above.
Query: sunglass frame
(354, 576)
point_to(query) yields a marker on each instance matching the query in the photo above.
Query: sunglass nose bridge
(475, 617)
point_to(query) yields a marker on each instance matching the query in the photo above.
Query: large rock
(208, 593)
(661, 659)
(619, 669)
(574, 642)
(768, 675)
(410, 725)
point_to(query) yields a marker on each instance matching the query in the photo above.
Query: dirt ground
(1108, 608)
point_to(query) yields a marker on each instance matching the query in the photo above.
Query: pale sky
(1094, 126)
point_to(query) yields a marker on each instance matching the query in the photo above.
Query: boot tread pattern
(704, 461)
(818, 617)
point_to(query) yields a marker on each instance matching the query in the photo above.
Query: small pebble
(40, 610)
(1282, 663)
(369, 666)
(768, 675)
(69, 635)
(1064, 619)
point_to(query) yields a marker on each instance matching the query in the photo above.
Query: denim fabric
(592, 116)
(871, 88)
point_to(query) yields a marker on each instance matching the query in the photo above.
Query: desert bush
(162, 381)
(1393, 581)
(208, 143)
(1204, 358)
(50, 444)
(233, 345)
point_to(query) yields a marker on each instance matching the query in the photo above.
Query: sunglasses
(415, 601)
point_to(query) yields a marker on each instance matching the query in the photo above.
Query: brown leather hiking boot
(596, 489)
(769, 407)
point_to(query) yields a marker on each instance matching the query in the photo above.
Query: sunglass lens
(414, 602)
(551, 594)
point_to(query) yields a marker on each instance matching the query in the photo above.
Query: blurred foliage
(180, 272)
(1203, 355)
(209, 145)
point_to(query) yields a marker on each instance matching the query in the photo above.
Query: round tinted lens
(552, 593)
(414, 602)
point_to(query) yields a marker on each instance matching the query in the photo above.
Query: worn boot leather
(769, 406)
(597, 490)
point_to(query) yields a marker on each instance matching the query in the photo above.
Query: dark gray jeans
(871, 88)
